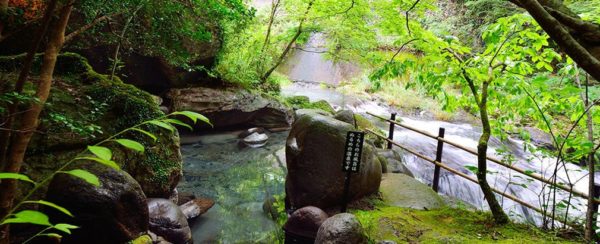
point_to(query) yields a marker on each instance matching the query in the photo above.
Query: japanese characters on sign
(353, 152)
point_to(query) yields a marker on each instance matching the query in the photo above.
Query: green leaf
(471, 168)
(57, 236)
(49, 204)
(28, 217)
(84, 175)
(177, 122)
(108, 163)
(194, 116)
(133, 145)
(101, 152)
(162, 124)
(65, 227)
(145, 133)
(16, 176)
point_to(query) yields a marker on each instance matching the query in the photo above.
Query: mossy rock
(303, 102)
(298, 101)
(85, 108)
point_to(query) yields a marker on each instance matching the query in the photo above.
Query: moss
(303, 102)
(448, 225)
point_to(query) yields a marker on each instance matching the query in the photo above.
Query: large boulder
(314, 155)
(403, 191)
(168, 221)
(114, 212)
(227, 107)
(341, 229)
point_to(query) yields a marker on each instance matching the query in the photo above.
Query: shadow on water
(238, 179)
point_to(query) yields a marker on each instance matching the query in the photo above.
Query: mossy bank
(86, 107)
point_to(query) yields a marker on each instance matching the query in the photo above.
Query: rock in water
(114, 212)
(341, 229)
(196, 207)
(256, 140)
(167, 220)
(305, 222)
(403, 191)
(248, 132)
(314, 154)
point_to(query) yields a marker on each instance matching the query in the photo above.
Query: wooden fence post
(391, 131)
(438, 158)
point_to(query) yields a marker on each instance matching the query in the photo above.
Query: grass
(448, 225)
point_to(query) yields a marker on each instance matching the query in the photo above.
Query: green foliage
(162, 28)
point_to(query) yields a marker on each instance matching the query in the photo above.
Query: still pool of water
(238, 179)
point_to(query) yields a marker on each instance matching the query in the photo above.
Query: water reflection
(238, 179)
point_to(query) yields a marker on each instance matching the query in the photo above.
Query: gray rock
(300, 112)
(168, 221)
(540, 138)
(341, 229)
(403, 191)
(395, 166)
(114, 212)
(314, 151)
(256, 140)
(250, 131)
(227, 107)
(174, 197)
(393, 161)
(196, 207)
(346, 116)
(305, 222)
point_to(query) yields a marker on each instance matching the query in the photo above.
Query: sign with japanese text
(353, 152)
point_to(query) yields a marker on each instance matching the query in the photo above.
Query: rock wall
(230, 107)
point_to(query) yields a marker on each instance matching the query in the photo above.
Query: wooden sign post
(351, 164)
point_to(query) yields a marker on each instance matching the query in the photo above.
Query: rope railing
(474, 152)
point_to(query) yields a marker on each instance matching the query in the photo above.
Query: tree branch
(88, 26)
(406, 15)
(402, 48)
(562, 37)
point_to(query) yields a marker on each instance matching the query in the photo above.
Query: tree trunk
(23, 75)
(590, 217)
(289, 45)
(29, 121)
(499, 215)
